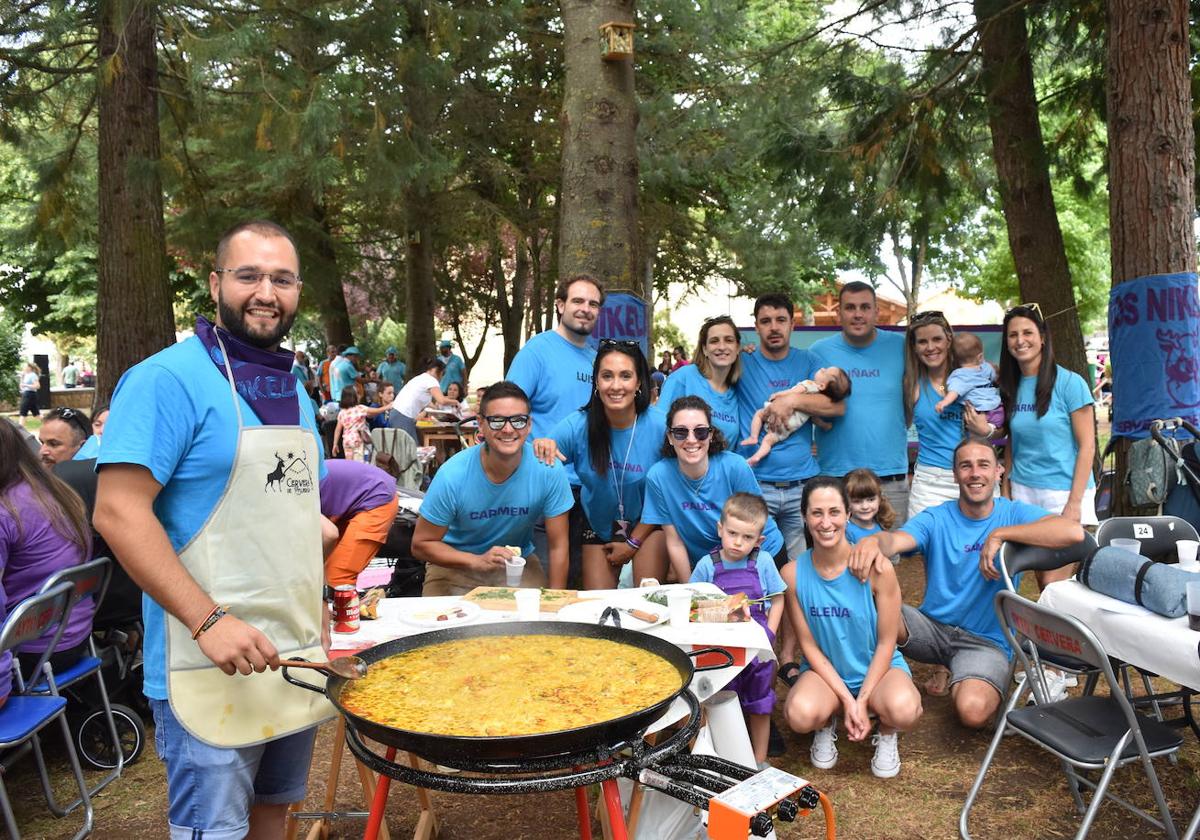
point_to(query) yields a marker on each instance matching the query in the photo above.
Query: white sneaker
(1057, 684)
(886, 762)
(824, 752)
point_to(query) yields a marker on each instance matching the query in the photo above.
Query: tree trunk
(133, 307)
(512, 312)
(335, 316)
(598, 216)
(1151, 149)
(1023, 173)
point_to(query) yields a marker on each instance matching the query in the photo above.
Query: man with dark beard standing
(554, 369)
(208, 495)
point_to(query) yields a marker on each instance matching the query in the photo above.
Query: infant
(830, 381)
(973, 381)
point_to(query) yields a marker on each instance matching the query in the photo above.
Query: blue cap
(389, 350)
(351, 351)
(445, 343)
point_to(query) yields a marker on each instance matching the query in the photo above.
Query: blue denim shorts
(211, 789)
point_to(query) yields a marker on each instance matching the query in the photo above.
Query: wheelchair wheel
(94, 741)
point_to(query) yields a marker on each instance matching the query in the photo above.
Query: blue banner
(1154, 339)
(624, 317)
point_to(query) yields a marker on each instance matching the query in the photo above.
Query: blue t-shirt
(855, 532)
(764, 564)
(479, 514)
(694, 506)
(453, 372)
(632, 452)
(790, 459)
(937, 434)
(393, 372)
(1044, 449)
(301, 373)
(976, 386)
(342, 374)
(173, 414)
(557, 377)
(844, 622)
(872, 432)
(688, 381)
(956, 592)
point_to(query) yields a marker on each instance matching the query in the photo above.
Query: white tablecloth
(1164, 646)
(747, 635)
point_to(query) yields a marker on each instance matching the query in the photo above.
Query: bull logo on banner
(1181, 367)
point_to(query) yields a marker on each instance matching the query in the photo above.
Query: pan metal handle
(283, 667)
(716, 650)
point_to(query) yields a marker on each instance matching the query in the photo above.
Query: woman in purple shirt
(43, 528)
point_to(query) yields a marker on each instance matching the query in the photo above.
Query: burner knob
(760, 826)
(788, 810)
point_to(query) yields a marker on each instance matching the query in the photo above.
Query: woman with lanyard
(928, 360)
(613, 441)
(716, 368)
(1051, 425)
(686, 491)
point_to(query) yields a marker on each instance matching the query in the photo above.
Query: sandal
(789, 672)
(938, 684)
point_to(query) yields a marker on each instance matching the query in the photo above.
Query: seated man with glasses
(62, 433)
(482, 505)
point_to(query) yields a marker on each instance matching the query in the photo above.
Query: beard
(235, 322)
(583, 330)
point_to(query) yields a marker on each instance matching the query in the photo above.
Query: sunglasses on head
(517, 421)
(680, 433)
(1027, 307)
(620, 342)
(926, 317)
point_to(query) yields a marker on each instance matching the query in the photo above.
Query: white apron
(260, 555)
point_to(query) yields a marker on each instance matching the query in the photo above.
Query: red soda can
(345, 609)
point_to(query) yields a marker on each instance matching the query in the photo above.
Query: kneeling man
(956, 624)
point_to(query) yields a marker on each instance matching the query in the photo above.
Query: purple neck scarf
(263, 377)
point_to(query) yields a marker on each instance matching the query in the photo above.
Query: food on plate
(504, 598)
(711, 608)
(495, 686)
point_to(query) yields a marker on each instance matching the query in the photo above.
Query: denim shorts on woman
(211, 789)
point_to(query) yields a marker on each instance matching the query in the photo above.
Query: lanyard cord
(619, 487)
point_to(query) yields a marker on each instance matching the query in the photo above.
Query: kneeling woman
(847, 630)
(486, 499)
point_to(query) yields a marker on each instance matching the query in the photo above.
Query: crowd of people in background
(770, 469)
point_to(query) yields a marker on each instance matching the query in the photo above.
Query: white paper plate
(589, 612)
(463, 612)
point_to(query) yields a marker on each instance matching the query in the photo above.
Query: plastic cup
(1193, 604)
(679, 606)
(529, 602)
(514, 567)
(646, 583)
(1129, 545)
(1187, 554)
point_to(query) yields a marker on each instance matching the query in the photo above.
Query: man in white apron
(208, 496)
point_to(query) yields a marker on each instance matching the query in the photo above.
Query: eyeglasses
(680, 433)
(517, 421)
(926, 317)
(1030, 307)
(283, 280)
(620, 342)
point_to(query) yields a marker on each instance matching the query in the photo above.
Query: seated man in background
(360, 499)
(62, 433)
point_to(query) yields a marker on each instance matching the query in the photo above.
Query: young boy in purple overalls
(739, 566)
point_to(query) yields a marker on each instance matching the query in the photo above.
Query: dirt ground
(1025, 797)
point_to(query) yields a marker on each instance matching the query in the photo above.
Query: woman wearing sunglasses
(612, 442)
(928, 361)
(1051, 424)
(712, 376)
(484, 501)
(687, 489)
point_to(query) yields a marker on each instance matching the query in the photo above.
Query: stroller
(1183, 497)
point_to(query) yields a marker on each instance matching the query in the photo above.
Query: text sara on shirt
(503, 510)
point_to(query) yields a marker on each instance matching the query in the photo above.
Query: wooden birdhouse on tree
(616, 41)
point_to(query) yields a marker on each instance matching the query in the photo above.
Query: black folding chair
(24, 715)
(1016, 558)
(1158, 535)
(1084, 733)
